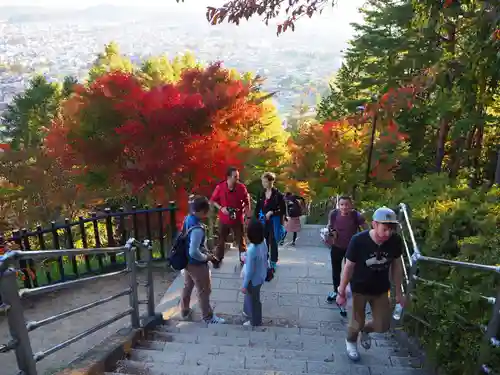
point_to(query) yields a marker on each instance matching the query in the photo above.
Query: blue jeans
(252, 305)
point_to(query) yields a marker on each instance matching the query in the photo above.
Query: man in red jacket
(233, 202)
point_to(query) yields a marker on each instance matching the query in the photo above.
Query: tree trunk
(476, 161)
(497, 171)
(444, 128)
(455, 162)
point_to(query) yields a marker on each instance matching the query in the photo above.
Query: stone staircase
(193, 348)
(301, 333)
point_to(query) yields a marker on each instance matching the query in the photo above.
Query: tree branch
(236, 10)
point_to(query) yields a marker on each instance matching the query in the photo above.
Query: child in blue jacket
(254, 273)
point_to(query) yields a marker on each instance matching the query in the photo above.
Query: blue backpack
(178, 258)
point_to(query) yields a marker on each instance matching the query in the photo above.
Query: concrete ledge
(414, 346)
(104, 356)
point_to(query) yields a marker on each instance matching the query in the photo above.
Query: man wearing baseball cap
(370, 257)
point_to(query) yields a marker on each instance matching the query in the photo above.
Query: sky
(345, 11)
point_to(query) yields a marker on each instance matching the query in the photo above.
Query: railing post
(134, 298)
(110, 235)
(150, 281)
(491, 332)
(411, 281)
(17, 324)
(173, 221)
(161, 234)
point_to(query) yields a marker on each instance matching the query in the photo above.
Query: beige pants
(381, 315)
(197, 275)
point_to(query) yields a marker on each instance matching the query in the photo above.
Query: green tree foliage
(159, 70)
(26, 119)
(110, 60)
(453, 126)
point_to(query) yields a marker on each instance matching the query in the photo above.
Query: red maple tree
(164, 142)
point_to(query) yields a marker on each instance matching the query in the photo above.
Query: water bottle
(398, 311)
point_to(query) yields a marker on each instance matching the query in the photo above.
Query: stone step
(148, 362)
(276, 348)
(162, 368)
(158, 368)
(275, 338)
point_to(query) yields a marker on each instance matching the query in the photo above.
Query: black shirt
(371, 272)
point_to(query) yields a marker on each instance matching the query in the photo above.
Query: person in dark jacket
(270, 209)
(294, 209)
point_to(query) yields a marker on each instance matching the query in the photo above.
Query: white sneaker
(215, 320)
(365, 340)
(248, 323)
(352, 351)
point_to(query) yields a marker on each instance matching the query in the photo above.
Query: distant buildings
(67, 45)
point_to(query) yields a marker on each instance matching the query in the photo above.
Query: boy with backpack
(196, 272)
(343, 222)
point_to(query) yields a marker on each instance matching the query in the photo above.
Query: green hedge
(451, 220)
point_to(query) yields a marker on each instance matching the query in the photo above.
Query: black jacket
(276, 204)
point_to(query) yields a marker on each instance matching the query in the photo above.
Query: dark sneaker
(187, 315)
(216, 263)
(343, 312)
(332, 297)
(365, 340)
(215, 320)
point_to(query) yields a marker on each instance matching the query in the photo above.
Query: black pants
(337, 256)
(272, 244)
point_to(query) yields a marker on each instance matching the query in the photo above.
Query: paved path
(294, 302)
(296, 297)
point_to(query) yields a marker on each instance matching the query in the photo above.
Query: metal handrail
(20, 328)
(417, 257)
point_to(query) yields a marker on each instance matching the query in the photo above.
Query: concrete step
(158, 368)
(286, 350)
(148, 362)
(269, 337)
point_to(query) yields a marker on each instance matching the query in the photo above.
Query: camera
(215, 261)
(232, 213)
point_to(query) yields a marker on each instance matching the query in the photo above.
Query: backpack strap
(190, 229)
(355, 216)
(333, 217)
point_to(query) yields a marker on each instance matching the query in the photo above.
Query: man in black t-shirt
(371, 256)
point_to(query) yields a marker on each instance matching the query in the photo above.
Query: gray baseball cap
(385, 215)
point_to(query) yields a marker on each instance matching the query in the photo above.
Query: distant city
(65, 42)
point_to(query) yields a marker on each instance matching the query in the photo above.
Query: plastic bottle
(398, 311)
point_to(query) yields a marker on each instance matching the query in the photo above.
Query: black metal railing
(412, 261)
(107, 228)
(12, 297)
(317, 213)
